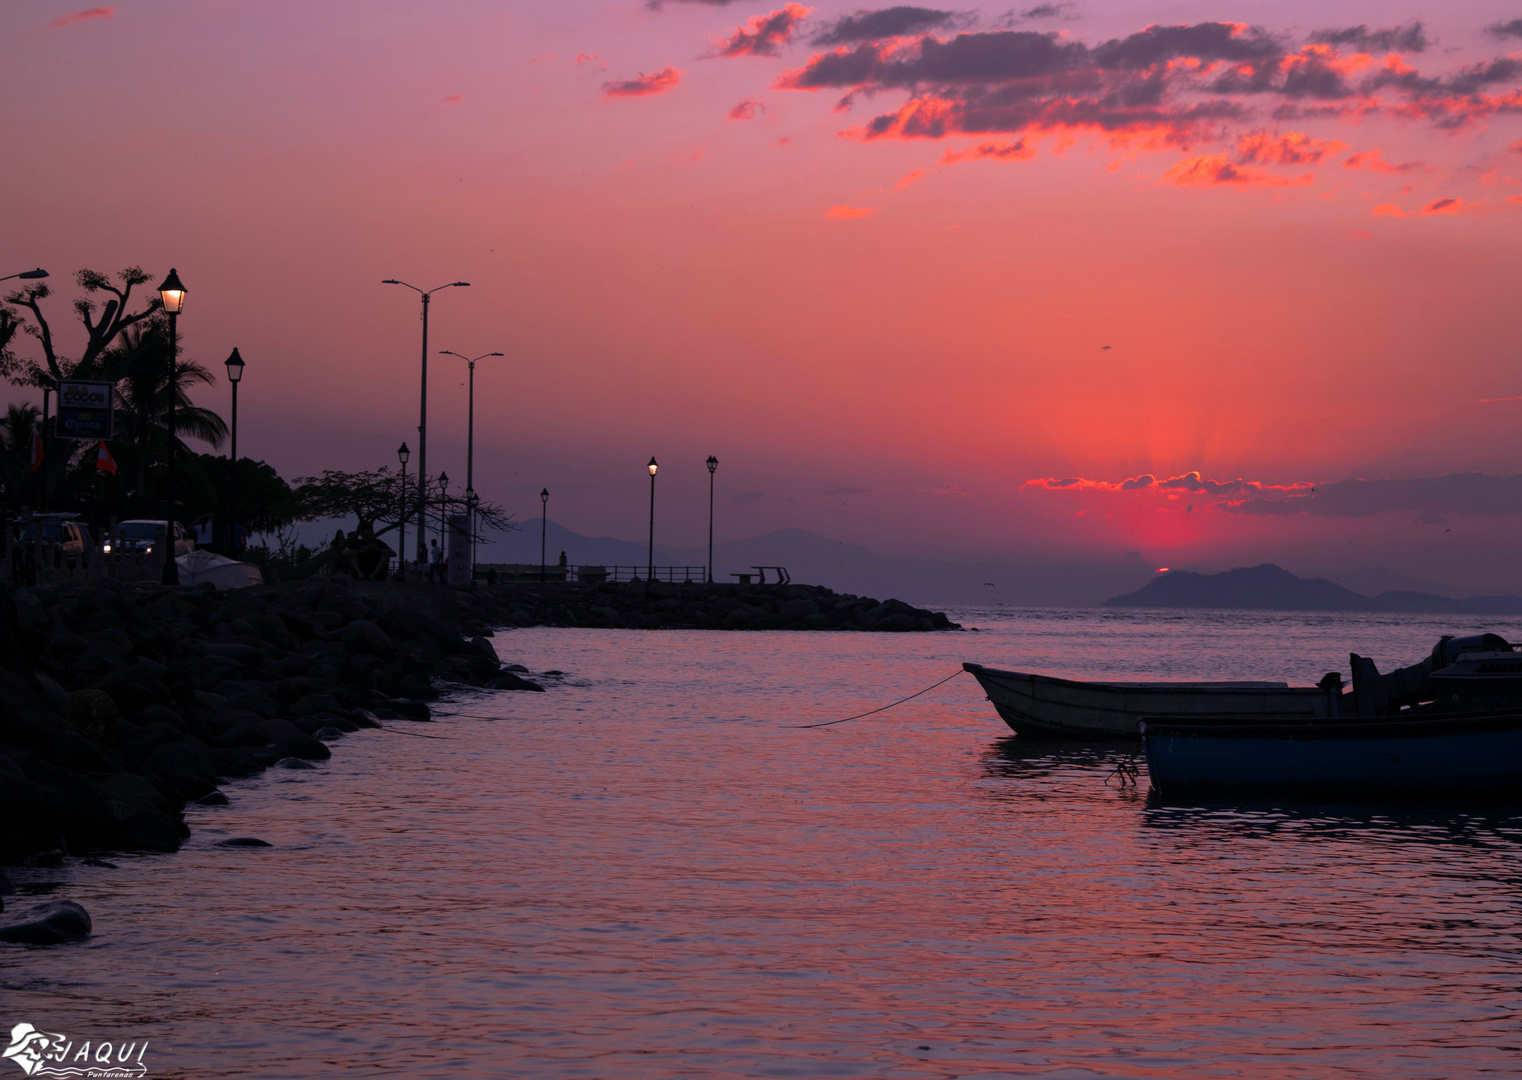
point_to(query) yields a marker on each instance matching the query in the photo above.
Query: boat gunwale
(1297, 729)
(978, 671)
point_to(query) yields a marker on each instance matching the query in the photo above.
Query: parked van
(141, 535)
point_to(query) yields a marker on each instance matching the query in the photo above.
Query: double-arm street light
(470, 448)
(422, 427)
(234, 376)
(713, 464)
(27, 275)
(544, 519)
(650, 568)
(172, 295)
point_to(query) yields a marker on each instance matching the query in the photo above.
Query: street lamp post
(422, 427)
(713, 463)
(544, 518)
(235, 376)
(650, 568)
(443, 513)
(172, 295)
(470, 449)
(402, 454)
(28, 275)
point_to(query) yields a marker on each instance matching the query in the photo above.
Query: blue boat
(1474, 755)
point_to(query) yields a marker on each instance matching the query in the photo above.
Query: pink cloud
(1294, 148)
(911, 179)
(658, 83)
(849, 213)
(763, 35)
(1388, 209)
(87, 15)
(746, 110)
(1019, 150)
(1214, 170)
(593, 59)
(1451, 205)
(1371, 159)
(1189, 481)
(453, 99)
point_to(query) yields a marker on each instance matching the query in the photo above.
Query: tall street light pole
(28, 275)
(470, 449)
(402, 454)
(650, 568)
(544, 519)
(713, 463)
(172, 295)
(234, 376)
(422, 426)
(443, 515)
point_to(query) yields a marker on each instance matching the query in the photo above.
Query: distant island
(1272, 588)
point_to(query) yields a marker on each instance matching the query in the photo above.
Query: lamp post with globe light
(544, 518)
(172, 296)
(713, 464)
(235, 367)
(650, 567)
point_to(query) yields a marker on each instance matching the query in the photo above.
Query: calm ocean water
(651, 871)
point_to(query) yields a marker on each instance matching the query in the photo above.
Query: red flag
(103, 459)
(36, 450)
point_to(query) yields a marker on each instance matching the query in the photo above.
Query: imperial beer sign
(84, 410)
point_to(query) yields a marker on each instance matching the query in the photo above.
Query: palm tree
(139, 363)
(16, 428)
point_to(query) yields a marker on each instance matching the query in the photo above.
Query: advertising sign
(84, 410)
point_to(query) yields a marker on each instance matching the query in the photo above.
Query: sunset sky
(1052, 282)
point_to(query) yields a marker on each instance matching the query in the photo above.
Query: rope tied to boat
(885, 708)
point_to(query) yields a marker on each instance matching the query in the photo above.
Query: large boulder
(188, 758)
(52, 923)
(364, 636)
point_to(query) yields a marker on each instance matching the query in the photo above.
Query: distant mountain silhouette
(1272, 588)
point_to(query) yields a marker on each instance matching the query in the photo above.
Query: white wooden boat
(1045, 706)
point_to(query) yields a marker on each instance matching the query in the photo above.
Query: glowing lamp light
(235, 367)
(172, 293)
(652, 466)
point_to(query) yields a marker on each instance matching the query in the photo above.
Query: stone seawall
(120, 703)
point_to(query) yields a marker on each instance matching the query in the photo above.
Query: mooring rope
(900, 701)
(413, 734)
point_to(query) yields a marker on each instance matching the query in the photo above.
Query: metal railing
(689, 575)
(554, 572)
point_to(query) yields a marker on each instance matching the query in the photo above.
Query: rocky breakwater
(660, 605)
(119, 704)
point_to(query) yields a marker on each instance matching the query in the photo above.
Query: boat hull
(1470, 755)
(1043, 706)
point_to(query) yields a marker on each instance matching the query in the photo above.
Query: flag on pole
(104, 462)
(36, 450)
